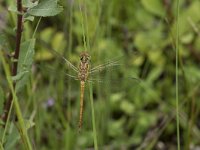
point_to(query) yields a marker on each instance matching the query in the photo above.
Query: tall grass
(21, 127)
(68, 33)
(86, 43)
(177, 75)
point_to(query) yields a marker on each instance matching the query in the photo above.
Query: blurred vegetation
(129, 114)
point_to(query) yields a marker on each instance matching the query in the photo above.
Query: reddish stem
(16, 56)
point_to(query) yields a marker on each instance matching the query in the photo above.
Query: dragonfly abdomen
(83, 75)
(81, 104)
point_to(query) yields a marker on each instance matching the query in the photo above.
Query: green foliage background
(129, 114)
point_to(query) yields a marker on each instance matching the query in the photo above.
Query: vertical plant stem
(6, 125)
(93, 117)
(68, 34)
(1, 146)
(177, 67)
(83, 27)
(87, 47)
(86, 27)
(16, 56)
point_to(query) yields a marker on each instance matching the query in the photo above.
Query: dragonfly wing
(69, 64)
(72, 76)
(101, 67)
(58, 55)
(114, 81)
(51, 70)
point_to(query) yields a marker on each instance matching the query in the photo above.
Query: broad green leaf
(13, 8)
(154, 6)
(26, 4)
(12, 138)
(28, 17)
(29, 3)
(46, 8)
(1, 100)
(19, 75)
(28, 124)
(24, 63)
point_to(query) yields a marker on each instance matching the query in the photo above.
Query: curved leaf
(46, 8)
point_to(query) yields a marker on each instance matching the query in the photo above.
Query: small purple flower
(49, 103)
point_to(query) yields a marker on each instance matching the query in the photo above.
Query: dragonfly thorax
(83, 71)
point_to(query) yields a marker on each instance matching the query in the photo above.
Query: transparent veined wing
(63, 61)
(96, 73)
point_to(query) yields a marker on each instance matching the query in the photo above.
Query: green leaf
(154, 6)
(24, 63)
(29, 124)
(12, 138)
(28, 17)
(29, 3)
(46, 8)
(19, 75)
(13, 8)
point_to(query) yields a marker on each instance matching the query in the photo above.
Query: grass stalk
(6, 125)
(22, 127)
(83, 27)
(93, 117)
(69, 87)
(177, 81)
(87, 47)
(1, 146)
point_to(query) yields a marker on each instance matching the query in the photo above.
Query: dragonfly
(84, 71)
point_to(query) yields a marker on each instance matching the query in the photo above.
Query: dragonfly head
(85, 57)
